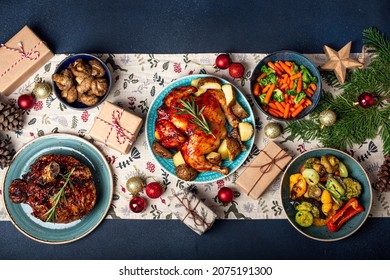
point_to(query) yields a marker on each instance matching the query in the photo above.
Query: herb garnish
(190, 108)
(51, 213)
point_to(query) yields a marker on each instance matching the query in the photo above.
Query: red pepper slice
(350, 209)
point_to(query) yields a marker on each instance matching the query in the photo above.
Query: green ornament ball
(327, 118)
(272, 130)
(135, 185)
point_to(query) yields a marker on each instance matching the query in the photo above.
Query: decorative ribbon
(198, 220)
(265, 168)
(31, 55)
(120, 131)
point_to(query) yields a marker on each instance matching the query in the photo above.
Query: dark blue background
(185, 27)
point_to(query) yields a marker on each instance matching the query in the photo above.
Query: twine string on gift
(121, 135)
(198, 220)
(32, 55)
(265, 168)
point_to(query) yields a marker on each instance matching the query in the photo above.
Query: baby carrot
(275, 113)
(288, 63)
(262, 76)
(300, 103)
(308, 102)
(285, 67)
(313, 86)
(299, 85)
(285, 77)
(283, 86)
(265, 89)
(286, 111)
(280, 107)
(273, 105)
(272, 65)
(296, 76)
(297, 111)
(291, 85)
(309, 91)
(269, 94)
(256, 89)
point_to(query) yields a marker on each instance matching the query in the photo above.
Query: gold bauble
(327, 118)
(42, 90)
(272, 130)
(135, 185)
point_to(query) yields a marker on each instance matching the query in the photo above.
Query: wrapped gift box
(116, 128)
(263, 170)
(20, 58)
(191, 211)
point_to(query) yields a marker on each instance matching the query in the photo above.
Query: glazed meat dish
(178, 131)
(59, 189)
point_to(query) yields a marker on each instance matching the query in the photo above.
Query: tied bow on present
(32, 55)
(191, 211)
(120, 131)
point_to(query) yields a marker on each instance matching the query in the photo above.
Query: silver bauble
(272, 130)
(327, 118)
(42, 90)
(135, 185)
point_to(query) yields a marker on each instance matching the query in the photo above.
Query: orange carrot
(286, 110)
(262, 76)
(265, 89)
(280, 107)
(285, 67)
(299, 85)
(288, 63)
(309, 92)
(256, 89)
(269, 94)
(276, 69)
(275, 113)
(273, 105)
(313, 86)
(296, 76)
(308, 102)
(300, 103)
(279, 67)
(285, 77)
(291, 85)
(297, 111)
(283, 86)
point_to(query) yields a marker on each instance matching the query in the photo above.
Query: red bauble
(367, 100)
(223, 61)
(154, 190)
(226, 195)
(137, 204)
(236, 70)
(26, 101)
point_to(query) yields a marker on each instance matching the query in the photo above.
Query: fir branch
(303, 129)
(385, 130)
(330, 78)
(372, 37)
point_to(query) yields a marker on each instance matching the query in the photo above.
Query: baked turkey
(49, 175)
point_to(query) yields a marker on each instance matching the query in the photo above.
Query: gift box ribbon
(198, 220)
(265, 168)
(120, 131)
(32, 55)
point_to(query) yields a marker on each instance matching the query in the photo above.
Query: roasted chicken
(175, 130)
(46, 178)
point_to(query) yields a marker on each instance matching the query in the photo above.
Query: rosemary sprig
(51, 213)
(190, 108)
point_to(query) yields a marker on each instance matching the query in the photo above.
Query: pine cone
(383, 183)
(11, 118)
(5, 154)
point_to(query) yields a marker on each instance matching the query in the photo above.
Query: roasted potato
(186, 172)
(239, 111)
(235, 134)
(214, 158)
(223, 149)
(245, 130)
(178, 159)
(209, 83)
(159, 150)
(233, 148)
(230, 96)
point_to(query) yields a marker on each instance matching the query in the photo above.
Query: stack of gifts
(191, 211)
(116, 128)
(20, 58)
(263, 170)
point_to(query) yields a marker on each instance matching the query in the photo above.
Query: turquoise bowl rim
(167, 164)
(366, 189)
(82, 227)
(313, 69)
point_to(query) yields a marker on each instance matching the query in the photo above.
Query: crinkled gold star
(340, 61)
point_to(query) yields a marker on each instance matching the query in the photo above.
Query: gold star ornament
(340, 61)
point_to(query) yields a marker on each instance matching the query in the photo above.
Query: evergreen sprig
(354, 123)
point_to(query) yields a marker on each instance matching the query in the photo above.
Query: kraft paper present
(263, 170)
(20, 58)
(191, 211)
(116, 128)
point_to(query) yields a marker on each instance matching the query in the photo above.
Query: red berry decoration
(154, 190)
(137, 204)
(225, 195)
(367, 100)
(223, 61)
(236, 70)
(26, 101)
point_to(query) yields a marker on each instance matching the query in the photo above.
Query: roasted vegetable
(297, 186)
(351, 208)
(335, 189)
(186, 172)
(239, 111)
(313, 192)
(330, 162)
(311, 176)
(160, 151)
(315, 164)
(304, 218)
(214, 158)
(233, 148)
(353, 188)
(307, 206)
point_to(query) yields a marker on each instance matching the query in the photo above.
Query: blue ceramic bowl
(64, 64)
(86, 153)
(299, 59)
(354, 171)
(167, 164)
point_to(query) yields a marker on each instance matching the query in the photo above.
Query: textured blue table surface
(186, 27)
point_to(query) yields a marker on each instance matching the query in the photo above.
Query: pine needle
(372, 37)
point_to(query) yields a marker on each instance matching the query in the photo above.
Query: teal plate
(167, 164)
(86, 153)
(354, 171)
